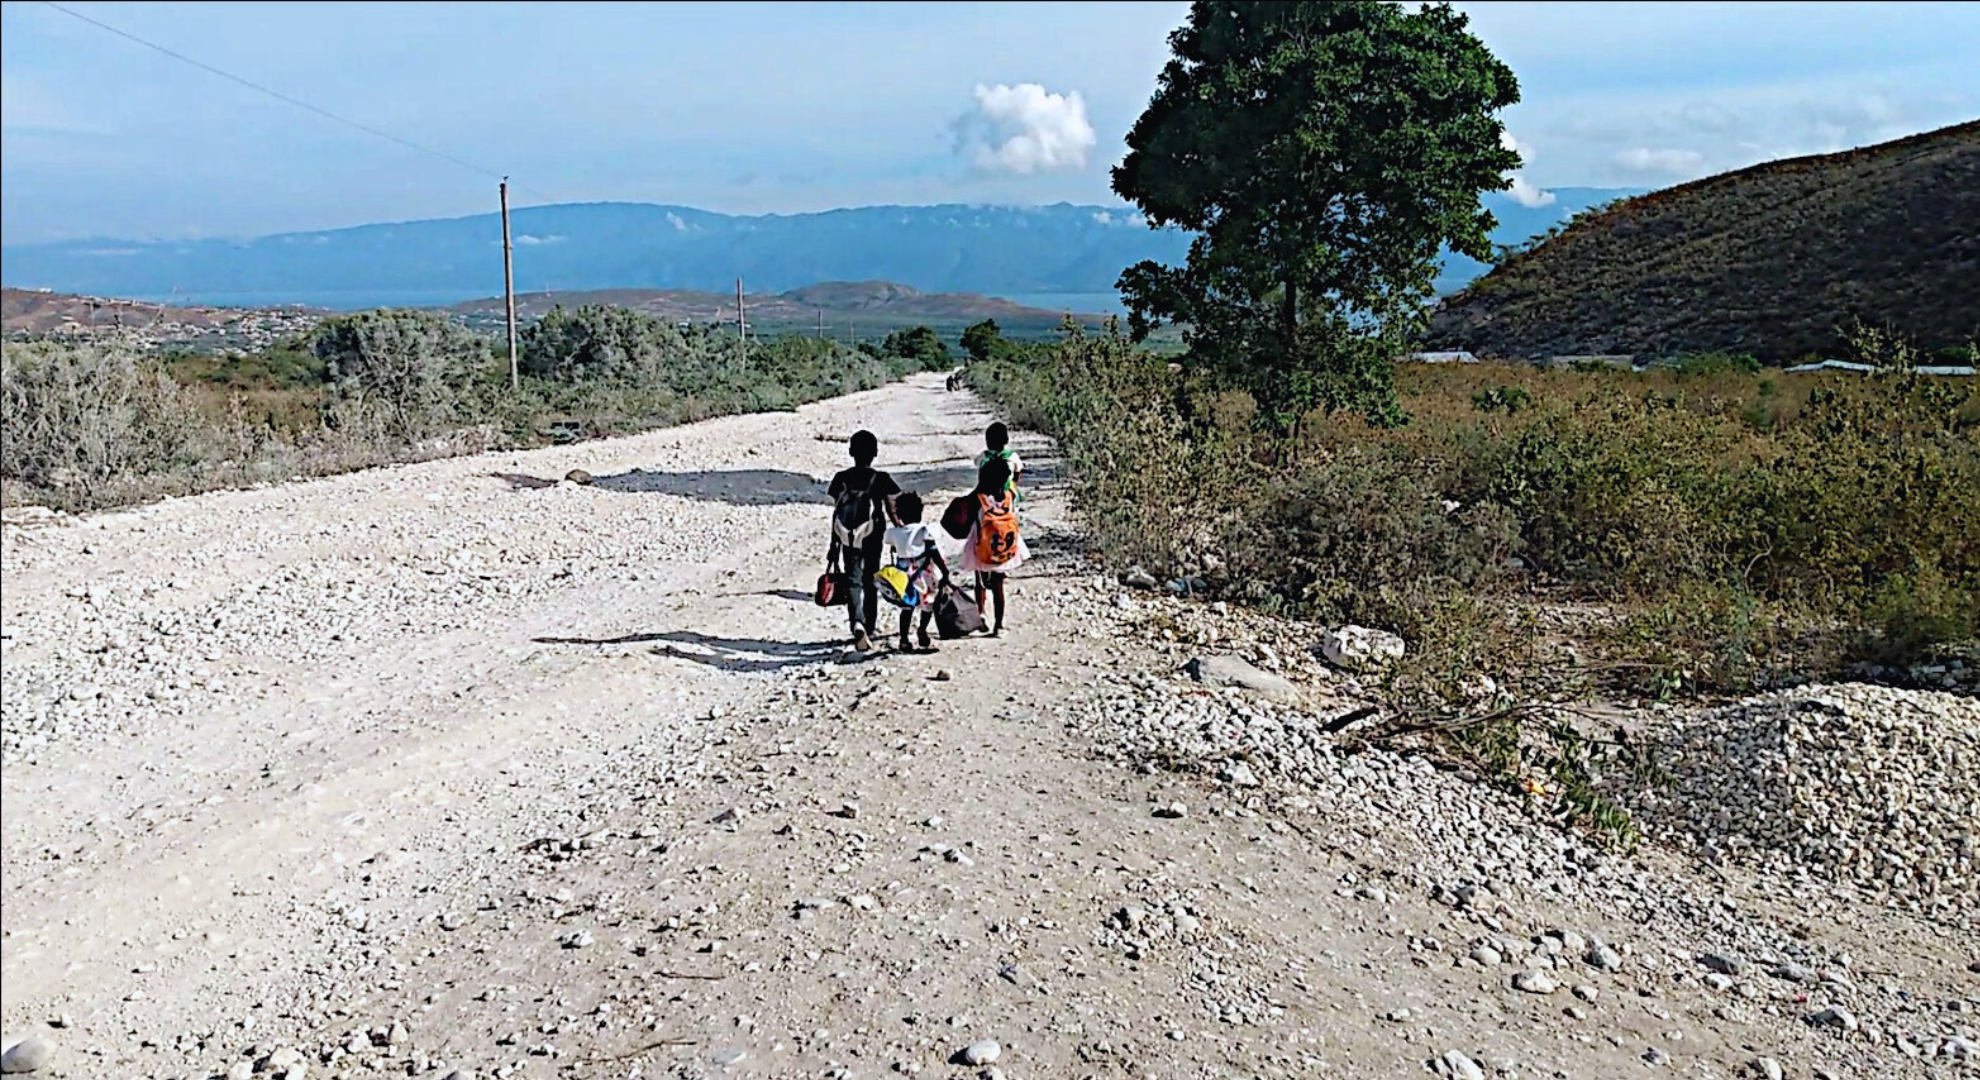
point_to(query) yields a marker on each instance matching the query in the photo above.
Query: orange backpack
(996, 530)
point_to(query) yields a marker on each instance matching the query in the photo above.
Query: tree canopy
(1324, 153)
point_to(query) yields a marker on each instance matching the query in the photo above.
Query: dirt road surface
(455, 769)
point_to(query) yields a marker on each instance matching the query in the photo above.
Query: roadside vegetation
(89, 426)
(1537, 537)
(1697, 531)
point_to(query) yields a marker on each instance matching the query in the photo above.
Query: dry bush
(1762, 504)
(75, 422)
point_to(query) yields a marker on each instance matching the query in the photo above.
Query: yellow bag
(893, 584)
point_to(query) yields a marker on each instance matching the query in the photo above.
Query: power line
(279, 96)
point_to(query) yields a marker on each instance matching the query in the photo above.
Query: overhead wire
(279, 96)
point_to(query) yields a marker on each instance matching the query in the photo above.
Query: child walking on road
(987, 517)
(924, 570)
(862, 503)
(997, 446)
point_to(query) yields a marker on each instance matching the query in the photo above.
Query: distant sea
(1082, 303)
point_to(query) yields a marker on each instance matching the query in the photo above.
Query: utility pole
(509, 287)
(821, 324)
(742, 331)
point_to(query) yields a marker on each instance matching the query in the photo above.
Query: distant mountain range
(1770, 260)
(1026, 253)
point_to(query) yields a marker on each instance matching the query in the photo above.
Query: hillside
(31, 313)
(1768, 260)
(34, 312)
(997, 251)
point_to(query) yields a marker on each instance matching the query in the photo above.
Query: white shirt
(910, 541)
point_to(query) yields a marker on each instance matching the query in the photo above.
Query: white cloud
(675, 220)
(1524, 191)
(1024, 130)
(1103, 217)
(528, 240)
(1671, 162)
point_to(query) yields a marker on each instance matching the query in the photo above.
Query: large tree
(1324, 153)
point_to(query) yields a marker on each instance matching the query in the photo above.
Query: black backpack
(854, 515)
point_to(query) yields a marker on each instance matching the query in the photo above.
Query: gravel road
(454, 769)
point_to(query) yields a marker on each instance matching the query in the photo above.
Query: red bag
(834, 589)
(956, 519)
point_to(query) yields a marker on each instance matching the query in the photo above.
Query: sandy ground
(449, 767)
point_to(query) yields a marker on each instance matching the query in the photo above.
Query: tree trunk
(1290, 317)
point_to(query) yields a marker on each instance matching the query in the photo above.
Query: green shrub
(620, 345)
(411, 364)
(1716, 363)
(920, 345)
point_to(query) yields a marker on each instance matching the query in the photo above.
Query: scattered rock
(1603, 958)
(982, 1052)
(1357, 648)
(1223, 670)
(1457, 1066)
(1871, 785)
(1723, 964)
(577, 939)
(1767, 1068)
(1834, 1017)
(1535, 981)
(579, 476)
(1238, 774)
(26, 1056)
(1172, 810)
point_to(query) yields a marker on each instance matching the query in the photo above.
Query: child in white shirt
(916, 555)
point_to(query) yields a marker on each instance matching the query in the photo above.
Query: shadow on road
(736, 487)
(628, 639)
(727, 654)
(749, 655)
(521, 482)
(756, 487)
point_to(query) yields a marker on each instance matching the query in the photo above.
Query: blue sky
(791, 107)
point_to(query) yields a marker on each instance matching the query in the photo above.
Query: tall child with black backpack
(862, 507)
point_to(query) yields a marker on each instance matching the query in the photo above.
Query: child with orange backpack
(986, 520)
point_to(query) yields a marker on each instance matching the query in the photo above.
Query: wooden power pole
(509, 287)
(742, 331)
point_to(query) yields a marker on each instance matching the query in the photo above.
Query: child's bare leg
(979, 589)
(997, 594)
(907, 617)
(924, 640)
